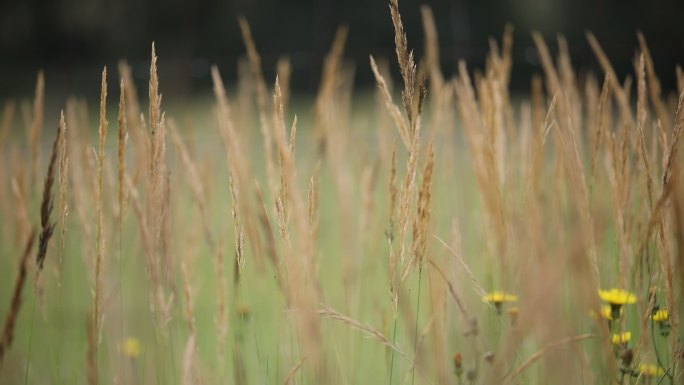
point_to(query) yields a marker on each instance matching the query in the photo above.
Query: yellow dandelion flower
(648, 370)
(499, 297)
(621, 338)
(131, 347)
(661, 315)
(604, 312)
(617, 297)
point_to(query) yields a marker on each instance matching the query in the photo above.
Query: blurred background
(72, 39)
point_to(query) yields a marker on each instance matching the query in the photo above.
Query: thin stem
(394, 339)
(415, 337)
(655, 350)
(28, 359)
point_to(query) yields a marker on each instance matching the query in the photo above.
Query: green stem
(415, 337)
(655, 350)
(394, 339)
(28, 359)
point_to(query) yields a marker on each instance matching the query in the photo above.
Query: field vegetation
(440, 231)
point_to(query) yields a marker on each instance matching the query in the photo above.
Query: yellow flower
(661, 315)
(605, 312)
(648, 370)
(131, 347)
(499, 297)
(617, 297)
(622, 338)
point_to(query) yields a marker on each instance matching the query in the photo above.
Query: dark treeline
(72, 39)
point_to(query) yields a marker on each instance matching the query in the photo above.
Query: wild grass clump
(472, 238)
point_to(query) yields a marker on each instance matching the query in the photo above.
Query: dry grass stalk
(121, 151)
(407, 65)
(393, 193)
(571, 158)
(670, 159)
(262, 101)
(36, 127)
(294, 371)
(537, 159)
(302, 282)
(134, 119)
(452, 290)
(476, 283)
(664, 247)
(313, 199)
(480, 135)
(568, 80)
(63, 176)
(132, 106)
(15, 305)
(616, 171)
(159, 262)
(188, 311)
(601, 124)
(421, 221)
(620, 94)
(83, 178)
(641, 122)
(678, 204)
(99, 202)
(91, 369)
(285, 161)
(411, 135)
(47, 203)
(271, 246)
(438, 328)
(399, 120)
(406, 194)
(190, 373)
(366, 329)
(326, 107)
(654, 89)
(540, 353)
(239, 172)
(221, 320)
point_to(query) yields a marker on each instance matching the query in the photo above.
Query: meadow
(437, 231)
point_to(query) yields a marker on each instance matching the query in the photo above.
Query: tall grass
(451, 234)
